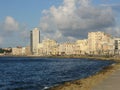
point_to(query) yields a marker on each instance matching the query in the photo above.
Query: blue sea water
(39, 73)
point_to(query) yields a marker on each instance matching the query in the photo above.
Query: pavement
(111, 83)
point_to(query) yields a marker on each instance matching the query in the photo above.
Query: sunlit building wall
(117, 45)
(66, 48)
(34, 40)
(81, 47)
(47, 47)
(100, 43)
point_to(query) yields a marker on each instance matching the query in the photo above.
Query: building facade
(66, 48)
(117, 46)
(100, 43)
(81, 47)
(18, 51)
(47, 47)
(34, 40)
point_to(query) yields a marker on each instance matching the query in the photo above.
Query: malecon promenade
(110, 83)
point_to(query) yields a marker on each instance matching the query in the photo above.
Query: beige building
(47, 47)
(81, 47)
(117, 46)
(34, 40)
(20, 51)
(66, 48)
(100, 43)
(27, 50)
(41, 51)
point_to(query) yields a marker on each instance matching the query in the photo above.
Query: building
(27, 50)
(81, 47)
(47, 47)
(117, 45)
(66, 48)
(18, 51)
(100, 43)
(34, 40)
(41, 51)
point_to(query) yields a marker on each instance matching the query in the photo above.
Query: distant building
(47, 47)
(100, 43)
(66, 48)
(81, 47)
(27, 50)
(34, 40)
(117, 45)
(19, 51)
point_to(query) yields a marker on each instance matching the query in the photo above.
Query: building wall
(35, 40)
(99, 43)
(81, 47)
(117, 45)
(66, 49)
(27, 50)
(17, 51)
(47, 47)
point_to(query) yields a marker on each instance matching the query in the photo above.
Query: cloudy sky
(61, 20)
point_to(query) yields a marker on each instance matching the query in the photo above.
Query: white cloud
(74, 18)
(24, 34)
(115, 7)
(10, 24)
(13, 33)
(115, 31)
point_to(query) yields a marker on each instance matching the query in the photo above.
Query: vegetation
(5, 51)
(1, 50)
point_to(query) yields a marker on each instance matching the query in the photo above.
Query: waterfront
(40, 73)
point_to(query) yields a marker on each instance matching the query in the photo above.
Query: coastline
(89, 82)
(86, 83)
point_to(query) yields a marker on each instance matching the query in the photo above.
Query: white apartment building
(81, 47)
(34, 40)
(47, 47)
(99, 43)
(18, 51)
(117, 45)
(66, 49)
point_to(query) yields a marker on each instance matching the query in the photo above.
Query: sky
(61, 20)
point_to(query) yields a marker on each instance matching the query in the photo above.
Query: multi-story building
(117, 45)
(27, 50)
(66, 48)
(81, 47)
(47, 47)
(41, 51)
(34, 40)
(20, 51)
(100, 43)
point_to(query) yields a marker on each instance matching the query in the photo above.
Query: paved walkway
(111, 83)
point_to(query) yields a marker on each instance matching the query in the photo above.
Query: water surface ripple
(38, 73)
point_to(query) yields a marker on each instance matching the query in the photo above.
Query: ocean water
(40, 73)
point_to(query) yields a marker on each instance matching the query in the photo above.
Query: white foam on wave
(45, 88)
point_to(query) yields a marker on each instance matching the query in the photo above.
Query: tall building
(100, 42)
(34, 40)
(117, 45)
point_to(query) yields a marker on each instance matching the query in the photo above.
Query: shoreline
(64, 56)
(86, 83)
(89, 82)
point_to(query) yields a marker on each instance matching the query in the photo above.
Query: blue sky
(25, 11)
(54, 18)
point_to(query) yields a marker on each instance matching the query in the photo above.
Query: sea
(24, 73)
